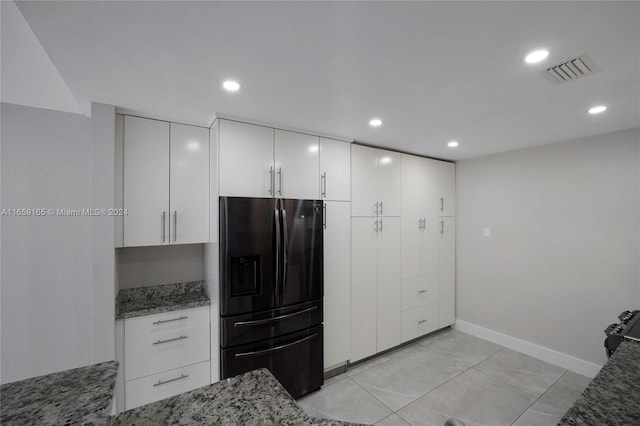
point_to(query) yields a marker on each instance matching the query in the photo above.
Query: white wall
(562, 259)
(46, 261)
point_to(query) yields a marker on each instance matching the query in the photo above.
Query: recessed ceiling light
(597, 109)
(537, 56)
(375, 122)
(231, 86)
(452, 144)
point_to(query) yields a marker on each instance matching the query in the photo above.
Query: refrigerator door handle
(278, 243)
(277, 348)
(285, 243)
(278, 318)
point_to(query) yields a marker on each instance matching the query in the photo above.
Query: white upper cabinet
(166, 183)
(375, 182)
(447, 185)
(189, 184)
(146, 182)
(297, 165)
(246, 160)
(335, 170)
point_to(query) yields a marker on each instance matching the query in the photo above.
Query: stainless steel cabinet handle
(422, 321)
(324, 185)
(442, 226)
(376, 208)
(277, 348)
(424, 223)
(175, 226)
(324, 215)
(159, 342)
(380, 225)
(271, 180)
(441, 204)
(422, 291)
(279, 180)
(164, 217)
(170, 320)
(160, 382)
(376, 226)
(381, 208)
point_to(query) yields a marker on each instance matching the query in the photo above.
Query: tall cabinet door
(246, 166)
(389, 294)
(389, 182)
(146, 182)
(337, 282)
(189, 184)
(447, 184)
(430, 235)
(297, 165)
(364, 295)
(364, 181)
(335, 170)
(411, 218)
(447, 273)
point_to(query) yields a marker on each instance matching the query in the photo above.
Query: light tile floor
(448, 374)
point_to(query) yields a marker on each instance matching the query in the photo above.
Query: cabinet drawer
(159, 386)
(419, 291)
(162, 342)
(419, 321)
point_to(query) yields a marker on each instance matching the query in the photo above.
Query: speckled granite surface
(252, 399)
(81, 396)
(613, 396)
(134, 302)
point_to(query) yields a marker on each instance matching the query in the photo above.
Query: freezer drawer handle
(160, 382)
(268, 320)
(159, 342)
(184, 317)
(277, 348)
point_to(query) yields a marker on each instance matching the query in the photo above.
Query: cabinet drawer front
(162, 342)
(419, 291)
(419, 321)
(169, 383)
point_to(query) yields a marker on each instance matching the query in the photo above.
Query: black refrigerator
(271, 288)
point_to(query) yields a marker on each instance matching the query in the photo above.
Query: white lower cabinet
(168, 383)
(165, 354)
(447, 272)
(419, 291)
(419, 321)
(337, 282)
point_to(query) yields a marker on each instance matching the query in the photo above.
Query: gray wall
(562, 259)
(46, 261)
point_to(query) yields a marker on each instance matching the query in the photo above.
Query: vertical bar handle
(324, 184)
(376, 208)
(376, 226)
(441, 204)
(164, 217)
(271, 180)
(175, 226)
(381, 208)
(442, 226)
(380, 225)
(279, 180)
(324, 215)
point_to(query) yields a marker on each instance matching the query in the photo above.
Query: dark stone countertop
(81, 396)
(135, 302)
(613, 396)
(255, 398)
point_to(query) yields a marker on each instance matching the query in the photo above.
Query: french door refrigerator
(271, 288)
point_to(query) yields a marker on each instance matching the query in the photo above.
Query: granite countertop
(134, 302)
(254, 398)
(81, 396)
(613, 396)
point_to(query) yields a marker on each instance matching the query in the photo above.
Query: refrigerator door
(302, 263)
(295, 360)
(249, 238)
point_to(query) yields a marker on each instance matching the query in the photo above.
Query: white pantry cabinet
(447, 272)
(447, 187)
(375, 285)
(375, 182)
(258, 161)
(337, 282)
(166, 183)
(335, 170)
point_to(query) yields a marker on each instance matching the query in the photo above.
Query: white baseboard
(560, 359)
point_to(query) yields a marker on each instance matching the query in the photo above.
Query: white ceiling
(433, 71)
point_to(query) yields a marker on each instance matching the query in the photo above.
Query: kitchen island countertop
(254, 398)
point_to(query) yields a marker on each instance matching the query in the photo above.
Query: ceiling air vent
(569, 70)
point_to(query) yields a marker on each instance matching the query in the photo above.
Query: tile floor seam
(374, 397)
(541, 395)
